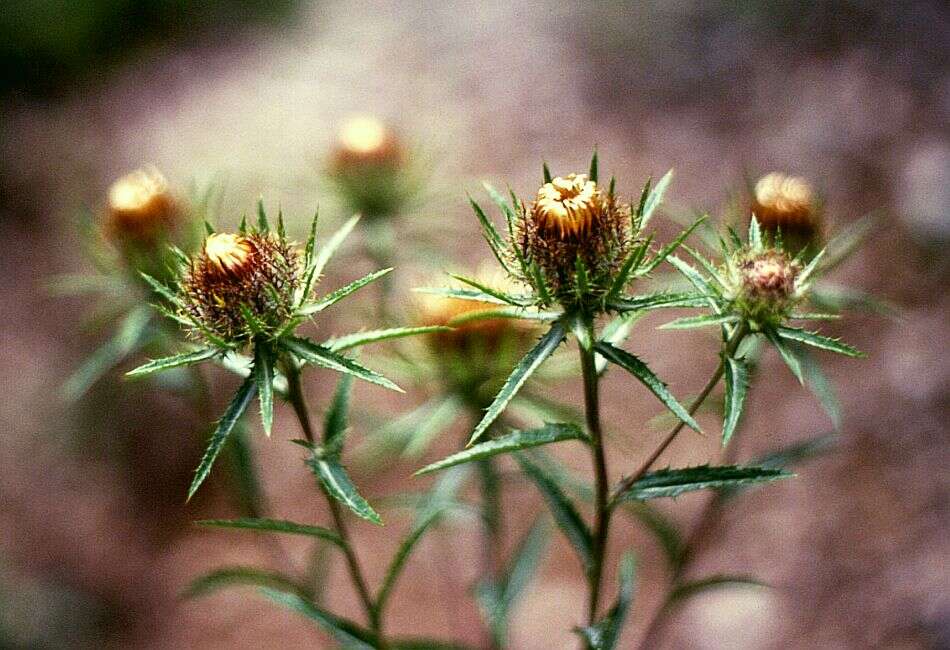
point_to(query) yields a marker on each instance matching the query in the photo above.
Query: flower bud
(141, 208)
(572, 219)
(763, 283)
(366, 142)
(237, 278)
(786, 204)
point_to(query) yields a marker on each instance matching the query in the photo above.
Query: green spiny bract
(761, 284)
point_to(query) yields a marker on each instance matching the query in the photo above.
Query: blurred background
(95, 538)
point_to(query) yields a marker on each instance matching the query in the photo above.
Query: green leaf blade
(175, 361)
(737, 385)
(265, 525)
(338, 484)
(312, 353)
(673, 482)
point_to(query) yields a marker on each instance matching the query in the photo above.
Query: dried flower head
(762, 283)
(573, 227)
(141, 208)
(786, 204)
(240, 285)
(365, 141)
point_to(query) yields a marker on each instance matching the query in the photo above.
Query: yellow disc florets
(573, 219)
(141, 207)
(241, 285)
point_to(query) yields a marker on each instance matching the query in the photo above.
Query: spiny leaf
(161, 289)
(615, 333)
(787, 457)
(802, 281)
(818, 384)
(184, 359)
(263, 373)
(347, 633)
(658, 300)
(234, 576)
(673, 482)
(262, 224)
(564, 512)
(274, 526)
(231, 415)
(504, 312)
(592, 174)
(755, 235)
(514, 441)
(787, 353)
(357, 339)
(698, 281)
(667, 250)
(817, 340)
(692, 322)
(521, 301)
(310, 352)
(535, 357)
(462, 294)
(402, 555)
(495, 242)
(654, 199)
(341, 293)
(627, 270)
(338, 484)
(545, 173)
(642, 372)
(737, 384)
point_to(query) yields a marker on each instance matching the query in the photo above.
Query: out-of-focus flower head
(141, 208)
(787, 205)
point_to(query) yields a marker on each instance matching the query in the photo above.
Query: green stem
(296, 397)
(601, 507)
(730, 349)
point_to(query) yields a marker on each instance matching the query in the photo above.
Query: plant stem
(601, 506)
(730, 349)
(296, 397)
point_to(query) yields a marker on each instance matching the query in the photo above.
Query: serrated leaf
(604, 634)
(525, 368)
(175, 361)
(667, 250)
(235, 576)
(231, 415)
(692, 322)
(461, 294)
(341, 293)
(265, 525)
(786, 352)
(336, 420)
(347, 633)
(495, 242)
(815, 339)
(657, 300)
(338, 484)
(514, 441)
(563, 511)
(819, 385)
(161, 289)
(698, 281)
(654, 199)
(263, 373)
(627, 270)
(521, 301)
(357, 339)
(519, 313)
(312, 353)
(615, 333)
(737, 384)
(787, 457)
(642, 372)
(673, 482)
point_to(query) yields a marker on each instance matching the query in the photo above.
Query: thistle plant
(577, 249)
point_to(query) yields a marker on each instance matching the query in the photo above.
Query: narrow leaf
(263, 373)
(231, 415)
(184, 359)
(604, 634)
(519, 376)
(667, 250)
(521, 301)
(642, 372)
(654, 199)
(402, 555)
(658, 300)
(462, 294)
(564, 512)
(514, 441)
(273, 526)
(333, 244)
(692, 322)
(357, 339)
(337, 483)
(341, 293)
(737, 384)
(787, 353)
(817, 340)
(689, 589)
(592, 174)
(755, 235)
(262, 224)
(336, 421)
(546, 173)
(235, 576)
(310, 352)
(347, 633)
(673, 482)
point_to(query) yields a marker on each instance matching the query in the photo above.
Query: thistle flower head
(787, 204)
(241, 285)
(761, 283)
(574, 228)
(141, 207)
(366, 141)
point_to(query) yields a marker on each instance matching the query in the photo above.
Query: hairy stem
(601, 507)
(730, 349)
(296, 397)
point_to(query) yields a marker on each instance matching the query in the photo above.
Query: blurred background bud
(787, 204)
(141, 208)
